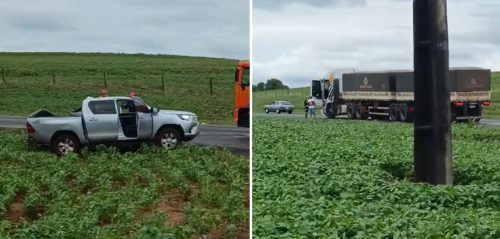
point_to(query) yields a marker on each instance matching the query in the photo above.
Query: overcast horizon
(211, 28)
(298, 41)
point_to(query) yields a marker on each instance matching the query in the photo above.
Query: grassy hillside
(30, 85)
(493, 111)
(297, 95)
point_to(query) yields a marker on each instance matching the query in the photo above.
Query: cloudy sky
(214, 28)
(299, 40)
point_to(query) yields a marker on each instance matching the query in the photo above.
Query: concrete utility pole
(432, 145)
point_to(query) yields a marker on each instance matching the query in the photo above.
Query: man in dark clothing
(306, 106)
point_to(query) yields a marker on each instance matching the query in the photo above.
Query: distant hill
(30, 85)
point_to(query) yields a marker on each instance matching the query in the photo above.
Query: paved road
(232, 138)
(491, 123)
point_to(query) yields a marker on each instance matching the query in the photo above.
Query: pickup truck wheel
(65, 144)
(168, 138)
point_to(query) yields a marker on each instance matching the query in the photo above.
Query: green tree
(261, 86)
(275, 84)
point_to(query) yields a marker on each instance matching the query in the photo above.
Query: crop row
(348, 179)
(107, 194)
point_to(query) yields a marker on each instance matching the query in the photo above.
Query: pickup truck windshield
(140, 106)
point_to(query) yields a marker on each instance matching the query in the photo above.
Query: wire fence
(304, 91)
(212, 82)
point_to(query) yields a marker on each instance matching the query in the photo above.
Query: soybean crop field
(353, 179)
(191, 192)
(59, 82)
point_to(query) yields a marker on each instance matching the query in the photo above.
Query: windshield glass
(245, 78)
(140, 106)
(139, 98)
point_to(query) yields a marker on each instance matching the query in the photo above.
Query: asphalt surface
(490, 123)
(232, 138)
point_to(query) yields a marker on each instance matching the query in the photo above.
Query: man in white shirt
(312, 107)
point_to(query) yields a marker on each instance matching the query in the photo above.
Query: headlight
(185, 117)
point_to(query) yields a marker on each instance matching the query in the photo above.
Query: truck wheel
(393, 113)
(329, 111)
(403, 113)
(65, 143)
(350, 111)
(290, 111)
(360, 114)
(168, 138)
(453, 115)
(243, 118)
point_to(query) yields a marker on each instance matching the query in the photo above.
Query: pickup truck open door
(101, 121)
(144, 119)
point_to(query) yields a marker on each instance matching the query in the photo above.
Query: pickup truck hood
(176, 112)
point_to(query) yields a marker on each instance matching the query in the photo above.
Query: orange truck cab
(242, 95)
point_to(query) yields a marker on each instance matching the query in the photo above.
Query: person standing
(312, 108)
(306, 106)
(104, 92)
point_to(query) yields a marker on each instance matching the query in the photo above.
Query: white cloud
(298, 42)
(214, 28)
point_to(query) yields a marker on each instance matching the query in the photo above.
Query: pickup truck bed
(43, 120)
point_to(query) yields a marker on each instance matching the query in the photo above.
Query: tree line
(271, 84)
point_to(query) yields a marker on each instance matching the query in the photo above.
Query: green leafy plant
(353, 179)
(105, 194)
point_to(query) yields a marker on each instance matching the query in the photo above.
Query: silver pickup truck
(111, 120)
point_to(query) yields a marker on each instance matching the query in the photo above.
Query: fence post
(105, 79)
(3, 75)
(211, 87)
(162, 81)
(53, 78)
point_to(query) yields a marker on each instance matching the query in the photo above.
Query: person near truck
(306, 106)
(104, 92)
(312, 107)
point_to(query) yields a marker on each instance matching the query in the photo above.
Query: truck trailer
(389, 94)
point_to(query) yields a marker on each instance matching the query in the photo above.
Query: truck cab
(242, 95)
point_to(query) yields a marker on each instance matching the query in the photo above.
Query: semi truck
(242, 95)
(389, 94)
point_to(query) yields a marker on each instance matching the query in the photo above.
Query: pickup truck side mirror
(155, 110)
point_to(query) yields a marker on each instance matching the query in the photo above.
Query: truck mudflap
(41, 113)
